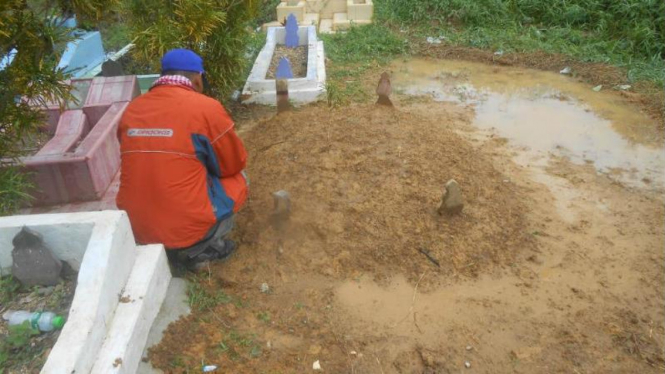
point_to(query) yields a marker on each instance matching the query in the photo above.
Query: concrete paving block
(139, 305)
(330, 7)
(326, 26)
(360, 12)
(311, 19)
(284, 9)
(341, 22)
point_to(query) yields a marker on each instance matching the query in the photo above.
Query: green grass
(238, 346)
(354, 53)
(8, 288)
(628, 34)
(14, 187)
(203, 298)
(16, 349)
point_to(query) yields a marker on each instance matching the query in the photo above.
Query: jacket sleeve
(226, 144)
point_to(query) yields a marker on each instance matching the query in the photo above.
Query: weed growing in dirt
(8, 288)
(239, 346)
(264, 316)
(13, 187)
(352, 54)
(204, 298)
(15, 346)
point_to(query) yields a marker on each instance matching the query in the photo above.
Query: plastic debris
(598, 88)
(499, 52)
(209, 368)
(353, 353)
(623, 87)
(316, 365)
(433, 40)
(467, 364)
(265, 288)
(565, 70)
(468, 347)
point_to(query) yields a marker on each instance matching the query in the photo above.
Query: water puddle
(546, 112)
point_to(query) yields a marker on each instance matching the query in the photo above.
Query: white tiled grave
(311, 88)
(120, 288)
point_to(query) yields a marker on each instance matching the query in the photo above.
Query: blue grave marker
(291, 31)
(284, 69)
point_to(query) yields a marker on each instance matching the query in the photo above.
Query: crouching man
(182, 165)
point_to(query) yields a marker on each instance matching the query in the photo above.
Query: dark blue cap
(182, 59)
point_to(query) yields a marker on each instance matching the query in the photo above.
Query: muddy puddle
(547, 113)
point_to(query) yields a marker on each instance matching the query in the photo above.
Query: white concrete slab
(141, 300)
(104, 271)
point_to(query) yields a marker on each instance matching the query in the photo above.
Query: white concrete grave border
(260, 90)
(100, 330)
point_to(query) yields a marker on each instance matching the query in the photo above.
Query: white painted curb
(142, 299)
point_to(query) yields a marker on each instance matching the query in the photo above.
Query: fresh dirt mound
(366, 183)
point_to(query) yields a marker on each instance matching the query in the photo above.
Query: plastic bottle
(44, 321)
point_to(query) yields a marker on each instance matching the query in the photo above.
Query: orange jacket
(180, 167)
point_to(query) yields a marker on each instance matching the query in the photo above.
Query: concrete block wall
(359, 12)
(327, 15)
(285, 8)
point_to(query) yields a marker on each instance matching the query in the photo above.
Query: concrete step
(311, 19)
(341, 22)
(326, 26)
(140, 302)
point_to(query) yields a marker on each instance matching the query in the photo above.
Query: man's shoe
(214, 252)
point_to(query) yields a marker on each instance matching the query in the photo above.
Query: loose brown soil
(522, 286)
(297, 58)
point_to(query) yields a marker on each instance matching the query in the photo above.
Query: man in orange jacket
(182, 165)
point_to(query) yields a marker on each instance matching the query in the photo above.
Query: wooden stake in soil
(282, 89)
(384, 89)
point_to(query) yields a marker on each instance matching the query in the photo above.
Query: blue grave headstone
(291, 31)
(284, 69)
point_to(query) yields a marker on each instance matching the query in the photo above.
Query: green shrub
(218, 30)
(641, 23)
